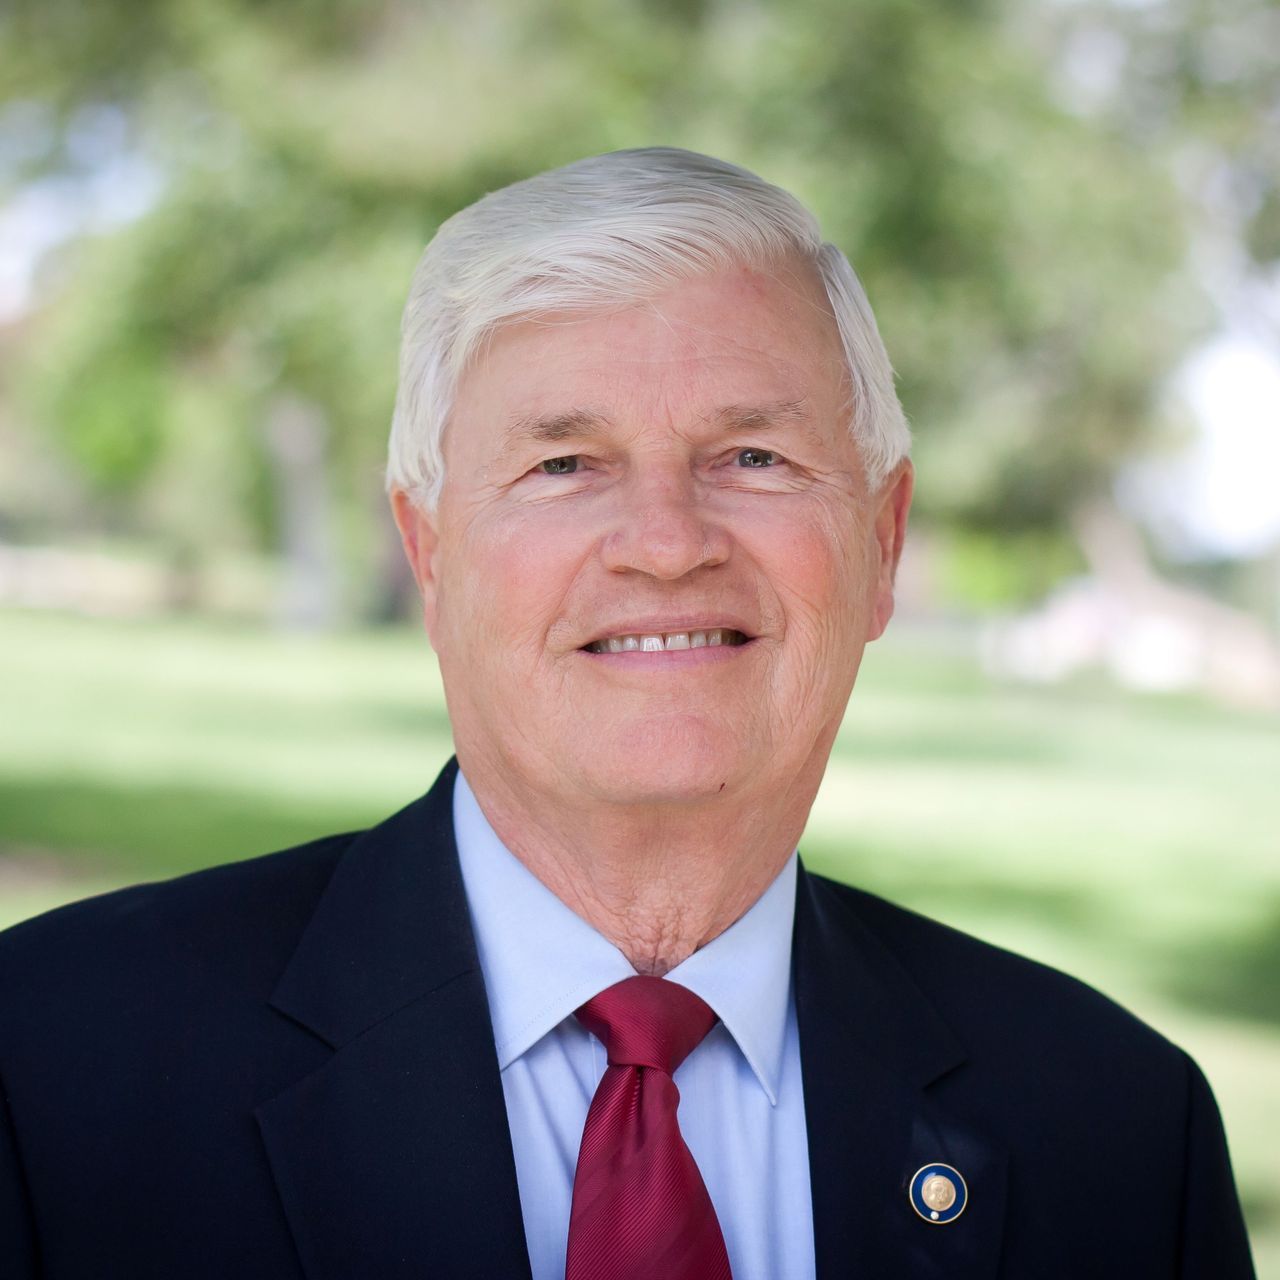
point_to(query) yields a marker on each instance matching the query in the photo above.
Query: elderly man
(650, 472)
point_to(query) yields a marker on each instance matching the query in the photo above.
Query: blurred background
(1067, 216)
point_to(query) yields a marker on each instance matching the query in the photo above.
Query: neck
(659, 881)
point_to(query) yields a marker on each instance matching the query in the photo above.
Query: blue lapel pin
(938, 1193)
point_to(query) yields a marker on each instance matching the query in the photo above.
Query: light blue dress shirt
(741, 1099)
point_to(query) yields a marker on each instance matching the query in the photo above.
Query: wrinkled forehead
(751, 333)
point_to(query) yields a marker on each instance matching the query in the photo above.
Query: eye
(560, 466)
(757, 458)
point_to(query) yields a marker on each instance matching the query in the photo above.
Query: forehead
(695, 350)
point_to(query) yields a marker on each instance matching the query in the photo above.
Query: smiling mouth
(666, 641)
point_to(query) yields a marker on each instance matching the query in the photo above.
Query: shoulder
(1082, 1098)
(1003, 1005)
(237, 922)
(1044, 1065)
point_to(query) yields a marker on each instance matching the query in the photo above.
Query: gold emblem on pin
(938, 1193)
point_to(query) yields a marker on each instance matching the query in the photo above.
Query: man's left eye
(757, 458)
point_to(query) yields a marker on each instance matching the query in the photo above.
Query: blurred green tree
(1023, 256)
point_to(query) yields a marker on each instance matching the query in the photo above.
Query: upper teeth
(657, 642)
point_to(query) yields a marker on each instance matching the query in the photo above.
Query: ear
(892, 503)
(420, 538)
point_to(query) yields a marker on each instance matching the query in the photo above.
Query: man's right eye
(560, 466)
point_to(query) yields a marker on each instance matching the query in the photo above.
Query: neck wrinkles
(658, 885)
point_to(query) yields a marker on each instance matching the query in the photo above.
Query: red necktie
(640, 1208)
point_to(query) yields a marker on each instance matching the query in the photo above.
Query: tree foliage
(1022, 255)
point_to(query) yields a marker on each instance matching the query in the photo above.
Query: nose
(663, 527)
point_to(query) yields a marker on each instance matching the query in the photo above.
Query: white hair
(613, 229)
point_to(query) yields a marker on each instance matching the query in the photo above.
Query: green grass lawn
(1130, 840)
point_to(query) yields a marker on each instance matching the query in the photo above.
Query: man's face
(675, 480)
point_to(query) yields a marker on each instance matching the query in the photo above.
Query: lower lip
(669, 659)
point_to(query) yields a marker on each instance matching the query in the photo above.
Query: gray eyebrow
(549, 428)
(760, 417)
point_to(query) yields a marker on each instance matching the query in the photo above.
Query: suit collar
(875, 1055)
(846, 973)
(395, 1154)
(391, 927)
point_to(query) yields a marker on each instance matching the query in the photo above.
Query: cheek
(818, 573)
(505, 584)
(816, 570)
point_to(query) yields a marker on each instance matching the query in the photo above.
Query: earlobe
(420, 539)
(893, 505)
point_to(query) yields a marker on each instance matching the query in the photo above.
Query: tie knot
(647, 1022)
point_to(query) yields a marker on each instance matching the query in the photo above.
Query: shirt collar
(541, 961)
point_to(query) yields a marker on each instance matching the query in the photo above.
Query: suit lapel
(394, 1157)
(871, 1047)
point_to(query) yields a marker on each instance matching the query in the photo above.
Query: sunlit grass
(1129, 840)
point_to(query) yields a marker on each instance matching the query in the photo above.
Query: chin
(671, 763)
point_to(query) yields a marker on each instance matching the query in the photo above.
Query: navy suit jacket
(285, 1068)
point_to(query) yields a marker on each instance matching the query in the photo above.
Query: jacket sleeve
(1214, 1243)
(17, 1231)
